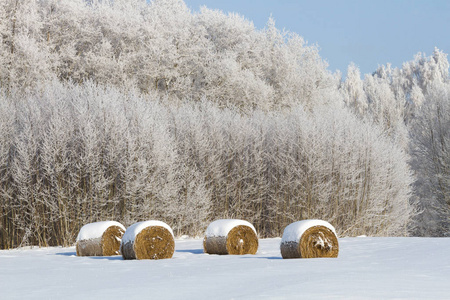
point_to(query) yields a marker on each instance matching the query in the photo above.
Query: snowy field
(367, 268)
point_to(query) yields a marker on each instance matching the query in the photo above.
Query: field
(367, 268)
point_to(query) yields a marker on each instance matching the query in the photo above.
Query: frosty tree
(73, 154)
(409, 103)
(431, 160)
(129, 110)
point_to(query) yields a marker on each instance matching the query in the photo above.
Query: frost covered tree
(408, 103)
(25, 56)
(353, 90)
(125, 43)
(135, 110)
(386, 109)
(431, 160)
(74, 154)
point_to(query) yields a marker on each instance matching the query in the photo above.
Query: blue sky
(369, 33)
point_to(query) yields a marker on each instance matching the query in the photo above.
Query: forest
(130, 110)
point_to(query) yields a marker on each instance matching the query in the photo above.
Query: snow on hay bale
(100, 239)
(148, 240)
(230, 237)
(309, 239)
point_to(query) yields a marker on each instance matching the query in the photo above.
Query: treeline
(72, 154)
(412, 106)
(159, 47)
(130, 110)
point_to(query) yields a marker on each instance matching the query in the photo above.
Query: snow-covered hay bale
(230, 237)
(309, 239)
(100, 239)
(148, 240)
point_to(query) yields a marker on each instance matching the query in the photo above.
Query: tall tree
(431, 160)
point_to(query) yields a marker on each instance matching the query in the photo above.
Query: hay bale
(230, 237)
(309, 239)
(148, 240)
(100, 239)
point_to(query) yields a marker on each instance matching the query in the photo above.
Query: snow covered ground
(367, 268)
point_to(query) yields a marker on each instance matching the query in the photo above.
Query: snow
(367, 268)
(132, 231)
(294, 231)
(96, 230)
(222, 227)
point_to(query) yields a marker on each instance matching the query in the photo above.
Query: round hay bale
(100, 239)
(148, 240)
(309, 239)
(230, 237)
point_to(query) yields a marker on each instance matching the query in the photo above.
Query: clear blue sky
(367, 32)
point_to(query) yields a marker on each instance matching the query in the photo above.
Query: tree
(430, 149)
(353, 90)
(129, 110)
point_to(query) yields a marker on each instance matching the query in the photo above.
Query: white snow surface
(96, 230)
(223, 227)
(294, 231)
(367, 268)
(132, 231)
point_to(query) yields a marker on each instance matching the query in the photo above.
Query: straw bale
(316, 241)
(240, 240)
(111, 240)
(91, 247)
(152, 242)
(106, 245)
